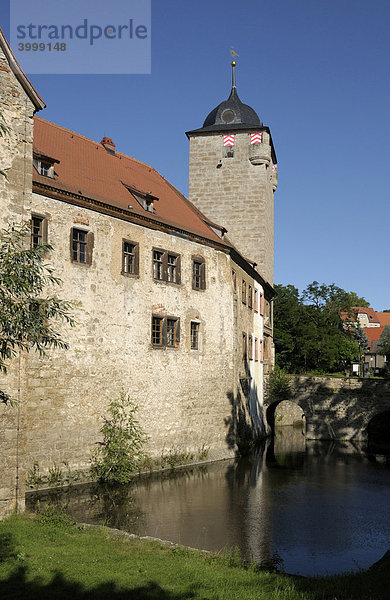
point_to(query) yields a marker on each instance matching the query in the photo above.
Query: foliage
(120, 454)
(26, 312)
(383, 346)
(278, 386)
(54, 516)
(34, 477)
(309, 332)
(360, 336)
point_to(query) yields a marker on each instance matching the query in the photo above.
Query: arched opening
(285, 412)
(288, 413)
(378, 431)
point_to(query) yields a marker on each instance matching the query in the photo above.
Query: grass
(48, 558)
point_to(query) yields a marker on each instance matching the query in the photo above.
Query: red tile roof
(383, 318)
(85, 168)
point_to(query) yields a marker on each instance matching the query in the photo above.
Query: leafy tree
(27, 310)
(309, 332)
(383, 346)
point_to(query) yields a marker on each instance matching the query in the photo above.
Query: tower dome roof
(232, 114)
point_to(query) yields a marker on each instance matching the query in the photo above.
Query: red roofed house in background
(372, 323)
(167, 306)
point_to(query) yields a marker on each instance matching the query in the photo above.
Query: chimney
(109, 145)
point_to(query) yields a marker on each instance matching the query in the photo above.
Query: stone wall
(337, 408)
(15, 192)
(236, 193)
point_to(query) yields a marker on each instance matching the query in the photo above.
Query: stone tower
(233, 176)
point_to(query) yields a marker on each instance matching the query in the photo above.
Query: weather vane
(233, 53)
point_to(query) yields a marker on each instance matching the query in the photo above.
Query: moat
(306, 507)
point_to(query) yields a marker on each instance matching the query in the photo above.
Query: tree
(360, 336)
(383, 346)
(27, 311)
(309, 332)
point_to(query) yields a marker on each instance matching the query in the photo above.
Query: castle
(172, 297)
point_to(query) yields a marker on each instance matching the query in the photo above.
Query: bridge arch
(285, 412)
(378, 431)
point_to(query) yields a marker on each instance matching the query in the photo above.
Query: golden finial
(233, 63)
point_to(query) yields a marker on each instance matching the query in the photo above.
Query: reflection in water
(320, 506)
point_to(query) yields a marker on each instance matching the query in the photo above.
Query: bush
(278, 385)
(120, 455)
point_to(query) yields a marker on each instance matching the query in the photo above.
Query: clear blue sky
(316, 72)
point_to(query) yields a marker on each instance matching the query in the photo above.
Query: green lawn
(44, 561)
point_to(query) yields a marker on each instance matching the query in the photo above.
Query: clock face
(228, 115)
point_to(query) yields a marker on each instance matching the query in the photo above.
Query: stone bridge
(336, 408)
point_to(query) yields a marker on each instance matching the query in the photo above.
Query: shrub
(278, 386)
(120, 455)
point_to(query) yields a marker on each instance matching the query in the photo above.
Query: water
(311, 508)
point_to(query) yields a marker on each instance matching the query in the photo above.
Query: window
(256, 350)
(44, 167)
(198, 273)
(158, 264)
(172, 270)
(157, 331)
(256, 300)
(234, 279)
(38, 226)
(166, 266)
(173, 332)
(165, 331)
(244, 347)
(250, 347)
(194, 335)
(250, 297)
(243, 291)
(81, 246)
(130, 258)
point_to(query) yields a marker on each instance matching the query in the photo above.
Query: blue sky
(316, 72)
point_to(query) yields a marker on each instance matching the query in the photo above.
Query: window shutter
(178, 270)
(262, 304)
(71, 244)
(45, 235)
(165, 266)
(136, 259)
(177, 340)
(89, 249)
(164, 332)
(203, 275)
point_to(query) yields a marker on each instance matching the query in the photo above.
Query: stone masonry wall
(236, 193)
(15, 192)
(337, 408)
